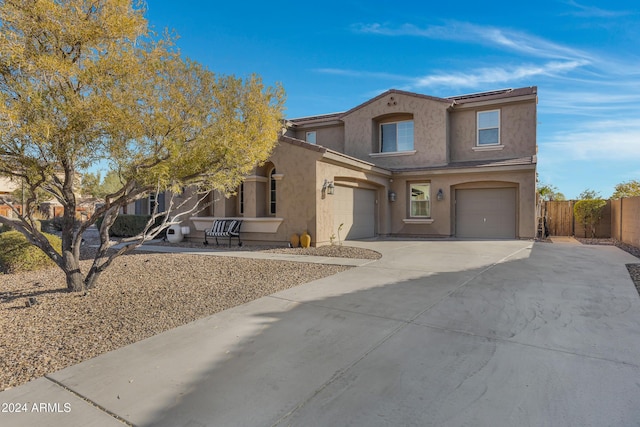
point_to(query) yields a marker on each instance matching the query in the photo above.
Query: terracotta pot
(305, 240)
(294, 240)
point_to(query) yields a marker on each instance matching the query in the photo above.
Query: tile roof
(476, 164)
(301, 143)
(454, 100)
(494, 94)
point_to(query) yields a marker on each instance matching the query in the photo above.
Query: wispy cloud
(356, 73)
(599, 98)
(603, 140)
(583, 11)
(460, 80)
(501, 38)
(495, 75)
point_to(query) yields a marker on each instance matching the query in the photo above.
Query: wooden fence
(620, 220)
(559, 216)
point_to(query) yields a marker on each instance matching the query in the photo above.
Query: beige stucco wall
(443, 211)
(517, 132)
(295, 198)
(430, 130)
(331, 137)
(625, 220)
(348, 177)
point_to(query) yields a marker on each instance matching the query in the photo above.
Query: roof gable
(391, 92)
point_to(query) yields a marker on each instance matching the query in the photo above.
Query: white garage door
(487, 213)
(355, 208)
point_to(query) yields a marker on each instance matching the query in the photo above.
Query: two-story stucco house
(400, 164)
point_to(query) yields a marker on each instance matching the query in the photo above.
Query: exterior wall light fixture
(327, 188)
(440, 195)
(392, 196)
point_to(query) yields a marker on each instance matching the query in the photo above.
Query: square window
(420, 201)
(488, 128)
(396, 137)
(311, 137)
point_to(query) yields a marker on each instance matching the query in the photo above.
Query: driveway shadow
(546, 335)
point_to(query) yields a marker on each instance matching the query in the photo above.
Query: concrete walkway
(352, 262)
(448, 333)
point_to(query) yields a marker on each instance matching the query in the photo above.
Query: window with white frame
(488, 128)
(311, 137)
(153, 202)
(420, 200)
(396, 136)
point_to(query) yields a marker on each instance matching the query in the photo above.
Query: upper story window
(488, 128)
(311, 137)
(396, 136)
(420, 203)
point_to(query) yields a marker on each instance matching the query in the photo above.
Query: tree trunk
(71, 267)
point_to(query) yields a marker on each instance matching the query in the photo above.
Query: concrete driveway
(444, 333)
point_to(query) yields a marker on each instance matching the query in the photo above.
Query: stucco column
(254, 196)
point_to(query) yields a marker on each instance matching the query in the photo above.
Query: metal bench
(224, 228)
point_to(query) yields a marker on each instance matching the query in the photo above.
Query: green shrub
(52, 225)
(17, 254)
(128, 225)
(589, 212)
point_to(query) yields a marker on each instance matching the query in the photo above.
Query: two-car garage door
(355, 208)
(486, 213)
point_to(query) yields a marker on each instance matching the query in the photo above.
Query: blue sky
(584, 56)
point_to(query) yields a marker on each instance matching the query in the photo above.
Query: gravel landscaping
(141, 295)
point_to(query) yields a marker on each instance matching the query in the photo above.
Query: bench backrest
(218, 226)
(226, 226)
(234, 227)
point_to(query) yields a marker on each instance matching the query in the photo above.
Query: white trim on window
(488, 148)
(488, 128)
(417, 220)
(419, 200)
(393, 154)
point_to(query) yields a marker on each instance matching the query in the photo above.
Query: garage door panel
(355, 208)
(486, 213)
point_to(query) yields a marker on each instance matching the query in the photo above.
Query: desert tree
(550, 192)
(627, 189)
(589, 210)
(84, 83)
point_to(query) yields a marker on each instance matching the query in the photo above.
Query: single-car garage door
(355, 208)
(486, 213)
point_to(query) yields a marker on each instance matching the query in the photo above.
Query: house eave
(497, 101)
(524, 164)
(335, 157)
